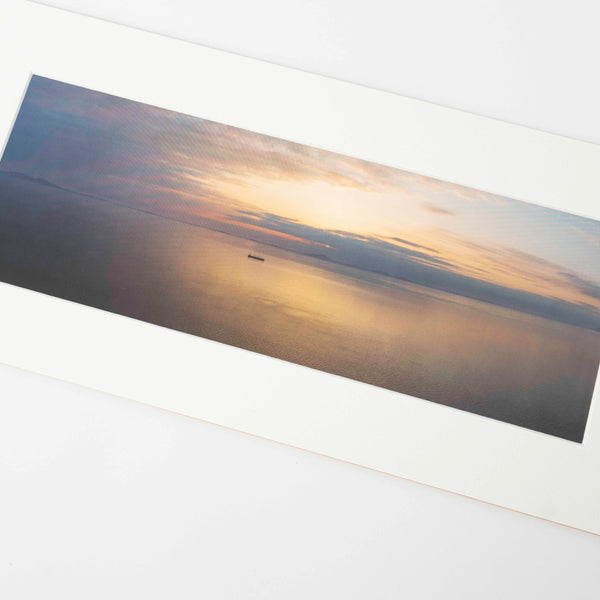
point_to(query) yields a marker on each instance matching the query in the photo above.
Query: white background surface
(142, 503)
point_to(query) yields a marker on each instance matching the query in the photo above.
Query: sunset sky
(305, 199)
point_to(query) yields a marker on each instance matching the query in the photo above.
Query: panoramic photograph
(452, 295)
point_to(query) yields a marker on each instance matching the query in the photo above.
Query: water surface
(471, 355)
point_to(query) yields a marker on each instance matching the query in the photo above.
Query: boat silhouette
(256, 257)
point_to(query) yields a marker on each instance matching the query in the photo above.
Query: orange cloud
(270, 232)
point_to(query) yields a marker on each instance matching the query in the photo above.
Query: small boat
(256, 257)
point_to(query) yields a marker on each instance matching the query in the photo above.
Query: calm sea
(471, 355)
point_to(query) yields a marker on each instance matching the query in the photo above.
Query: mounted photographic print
(383, 281)
(464, 298)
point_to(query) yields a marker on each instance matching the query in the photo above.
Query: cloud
(405, 242)
(583, 285)
(85, 126)
(518, 270)
(439, 210)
